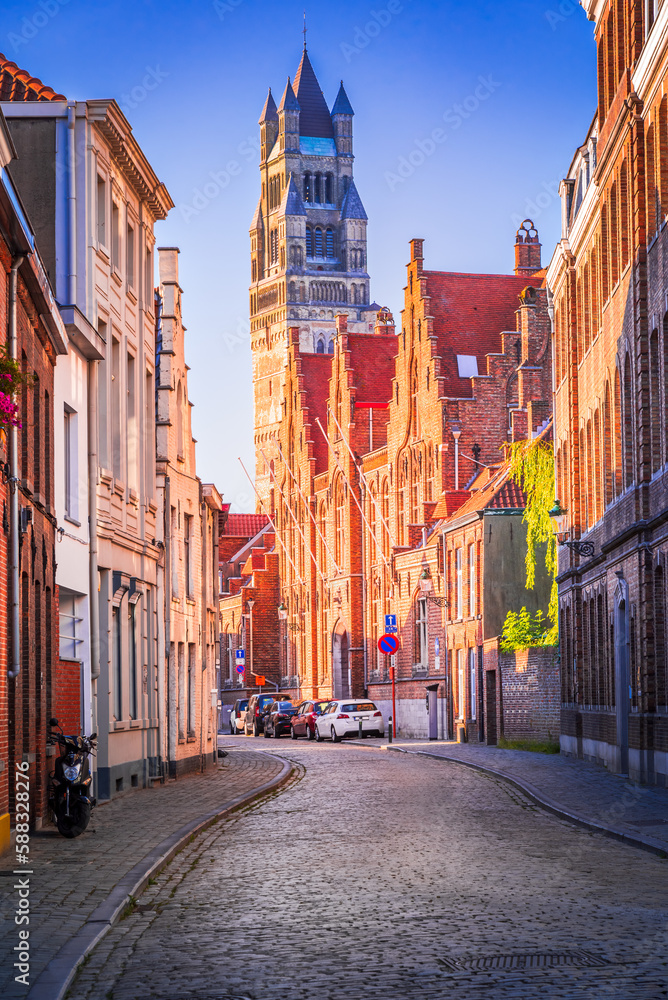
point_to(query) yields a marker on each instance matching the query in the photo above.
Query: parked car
(303, 721)
(341, 718)
(277, 719)
(238, 715)
(255, 713)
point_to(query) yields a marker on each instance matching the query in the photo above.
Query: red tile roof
(372, 360)
(245, 525)
(17, 84)
(317, 371)
(499, 493)
(449, 503)
(470, 312)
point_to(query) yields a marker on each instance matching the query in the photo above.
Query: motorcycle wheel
(74, 824)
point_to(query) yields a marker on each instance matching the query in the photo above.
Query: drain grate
(576, 959)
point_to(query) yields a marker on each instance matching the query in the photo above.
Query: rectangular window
(474, 693)
(461, 685)
(69, 624)
(103, 397)
(130, 255)
(71, 455)
(148, 281)
(187, 554)
(133, 427)
(182, 693)
(192, 689)
(116, 407)
(47, 449)
(460, 584)
(420, 653)
(101, 211)
(37, 436)
(115, 236)
(175, 554)
(149, 435)
(117, 662)
(132, 648)
(472, 587)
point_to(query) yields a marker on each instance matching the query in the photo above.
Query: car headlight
(71, 773)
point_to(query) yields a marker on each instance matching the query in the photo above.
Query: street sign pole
(388, 645)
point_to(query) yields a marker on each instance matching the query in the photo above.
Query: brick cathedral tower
(308, 243)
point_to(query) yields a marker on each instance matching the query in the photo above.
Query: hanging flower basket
(11, 381)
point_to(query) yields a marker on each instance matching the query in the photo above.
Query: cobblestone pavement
(384, 875)
(587, 789)
(72, 877)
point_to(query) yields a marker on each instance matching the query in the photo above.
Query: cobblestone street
(387, 875)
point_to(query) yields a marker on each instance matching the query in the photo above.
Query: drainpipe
(456, 435)
(72, 202)
(94, 604)
(15, 668)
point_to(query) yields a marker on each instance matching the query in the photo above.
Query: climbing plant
(11, 380)
(532, 468)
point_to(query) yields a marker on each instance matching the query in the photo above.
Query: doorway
(340, 664)
(432, 711)
(622, 679)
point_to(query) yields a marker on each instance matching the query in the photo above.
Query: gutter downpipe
(15, 625)
(171, 693)
(72, 202)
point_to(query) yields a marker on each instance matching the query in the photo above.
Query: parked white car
(341, 718)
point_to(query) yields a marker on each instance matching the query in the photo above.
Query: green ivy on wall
(532, 468)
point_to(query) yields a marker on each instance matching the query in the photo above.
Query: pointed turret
(288, 121)
(342, 122)
(315, 119)
(268, 127)
(291, 203)
(342, 105)
(352, 207)
(257, 244)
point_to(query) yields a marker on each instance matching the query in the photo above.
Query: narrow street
(377, 875)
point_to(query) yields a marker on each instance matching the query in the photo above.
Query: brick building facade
(29, 678)
(609, 285)
(365, 454)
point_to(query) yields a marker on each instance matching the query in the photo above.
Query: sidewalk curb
(54, 981)
(545, 802)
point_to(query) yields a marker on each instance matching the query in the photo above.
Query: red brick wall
(66, 695)
(531, 694)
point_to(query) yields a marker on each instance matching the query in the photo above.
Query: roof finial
(305, 30)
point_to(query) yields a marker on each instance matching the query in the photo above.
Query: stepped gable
(372, 359)
(316, 370)
(470, 312)
(17, 84)
(314, 119)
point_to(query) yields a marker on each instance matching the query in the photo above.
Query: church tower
(308, 242)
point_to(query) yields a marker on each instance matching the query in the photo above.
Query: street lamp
(427, 587)
(282, 612)
(559, 516)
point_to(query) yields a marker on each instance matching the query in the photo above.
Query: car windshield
(359, 706)
(265, 700)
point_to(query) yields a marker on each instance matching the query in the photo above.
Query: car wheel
(265, 733)
(318, 737)
(256, 729)
(335, 737)
(308, 734)
(293, 733)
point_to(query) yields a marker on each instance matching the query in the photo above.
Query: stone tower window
(330, 243)
(330, 349)
(318, 242)
(309, 242)
(320, 349)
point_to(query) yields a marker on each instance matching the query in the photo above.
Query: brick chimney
(527, 249)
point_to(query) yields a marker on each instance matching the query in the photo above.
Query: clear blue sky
(209, 65)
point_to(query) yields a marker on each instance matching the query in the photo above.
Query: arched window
(624, 212)
(308, 188)
(330, 349)
(328, 189)
(317, 189)
(330, 243)
(340, 522)
(309, 242)
(655, 400)
(628, 424)
(320, 349)
(607, 448)
(318, 242)
(385, 511)
(618, 435)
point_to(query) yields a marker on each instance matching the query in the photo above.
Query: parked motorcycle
(69, 792)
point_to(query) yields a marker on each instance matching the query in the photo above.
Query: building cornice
(653, 56)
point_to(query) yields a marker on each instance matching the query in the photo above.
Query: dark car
(255, 713)
(277, 719)
(303, 721)
(237, 716)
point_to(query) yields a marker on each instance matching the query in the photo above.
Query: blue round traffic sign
(388, 644)
(240, 668)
